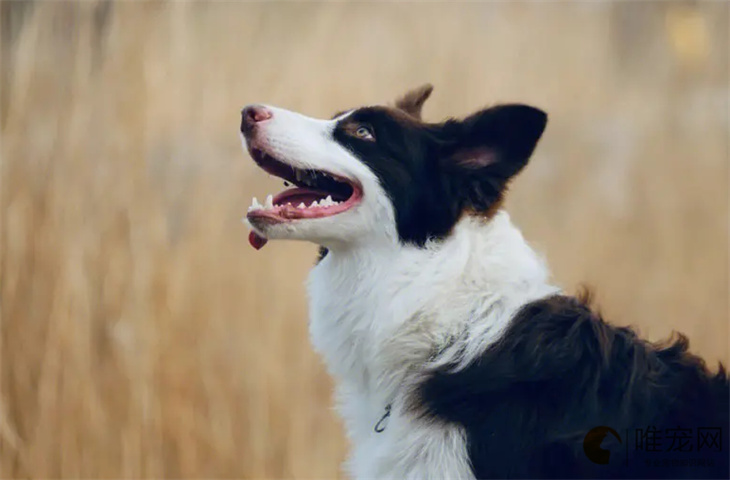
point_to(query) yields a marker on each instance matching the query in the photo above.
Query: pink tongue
(256, 240)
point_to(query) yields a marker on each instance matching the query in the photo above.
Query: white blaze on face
(308, 144)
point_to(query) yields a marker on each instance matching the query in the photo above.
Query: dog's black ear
(412, 102)
(489, 147)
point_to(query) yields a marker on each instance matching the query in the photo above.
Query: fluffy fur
(559, 371)
(454, 355)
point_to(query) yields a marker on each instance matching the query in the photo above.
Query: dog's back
(559, 372)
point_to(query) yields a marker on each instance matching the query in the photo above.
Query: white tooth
(255, 203)
(329, 200)
(314, 204)
(270, 201)
(301, 205)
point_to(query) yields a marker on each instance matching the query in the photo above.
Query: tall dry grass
(142, 337)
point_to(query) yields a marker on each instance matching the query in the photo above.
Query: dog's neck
(380, 311)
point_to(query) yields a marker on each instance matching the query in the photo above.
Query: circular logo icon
(592, 444)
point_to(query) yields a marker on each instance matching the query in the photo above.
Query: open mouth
(316, 194)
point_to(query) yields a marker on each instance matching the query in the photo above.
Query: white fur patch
(379, 314)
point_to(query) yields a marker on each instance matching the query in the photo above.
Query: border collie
(454, 355)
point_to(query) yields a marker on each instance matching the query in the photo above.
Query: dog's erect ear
(412, 102)
(489, 147)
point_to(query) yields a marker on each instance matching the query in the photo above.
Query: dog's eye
(364, 133)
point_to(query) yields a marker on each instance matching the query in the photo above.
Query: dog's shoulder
(545, 340)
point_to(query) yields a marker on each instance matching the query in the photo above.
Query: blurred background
(141, 335)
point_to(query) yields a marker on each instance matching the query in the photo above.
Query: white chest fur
(379, 315)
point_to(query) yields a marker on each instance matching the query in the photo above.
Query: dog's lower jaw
(368, 227)
(379, 313)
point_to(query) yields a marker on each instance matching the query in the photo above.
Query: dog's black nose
(253, 114)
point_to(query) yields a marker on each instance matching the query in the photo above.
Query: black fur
(434, 172)
(559, 371)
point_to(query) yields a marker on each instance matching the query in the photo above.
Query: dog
(453, 354)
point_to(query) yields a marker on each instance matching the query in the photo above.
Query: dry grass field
(141, 336)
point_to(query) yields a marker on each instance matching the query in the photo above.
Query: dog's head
(380, 173)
